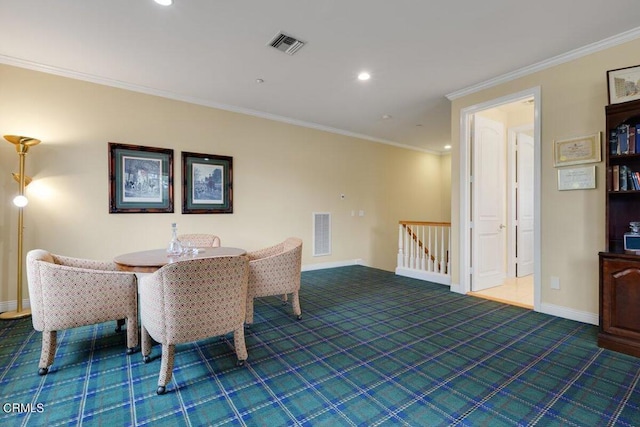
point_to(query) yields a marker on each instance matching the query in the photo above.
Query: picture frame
(575, 151)
(140, 179)
(207, 183)
(623, 84)
(579, 178)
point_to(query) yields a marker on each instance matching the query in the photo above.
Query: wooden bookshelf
(620, 271)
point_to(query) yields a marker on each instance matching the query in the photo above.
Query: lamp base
(12, 315)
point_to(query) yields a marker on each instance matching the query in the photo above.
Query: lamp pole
(22, 144)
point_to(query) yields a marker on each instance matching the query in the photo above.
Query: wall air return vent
(286, 43)
(321, 233)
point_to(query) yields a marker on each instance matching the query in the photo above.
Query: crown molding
(556, 60)
(21, 63)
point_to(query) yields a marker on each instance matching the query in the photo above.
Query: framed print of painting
(140, 179)
(623, 84)
(207, 185)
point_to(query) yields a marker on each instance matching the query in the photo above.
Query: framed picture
(574, 151)
(207, 185)
(580, 178)
(140, 179)
(623, 84)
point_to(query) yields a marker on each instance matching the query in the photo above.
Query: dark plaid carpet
(372, 349)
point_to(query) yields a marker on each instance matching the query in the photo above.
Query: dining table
(151, 260)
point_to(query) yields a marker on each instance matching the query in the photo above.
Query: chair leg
(240, 345)
(166, 367)
(48, 352)
(285, 298)
(146, 344)
(133, 339)
(249, 315)
(295, 302)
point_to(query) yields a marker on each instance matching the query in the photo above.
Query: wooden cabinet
(620, 271)
(620, 303)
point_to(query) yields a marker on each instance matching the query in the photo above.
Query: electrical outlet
(555, 282)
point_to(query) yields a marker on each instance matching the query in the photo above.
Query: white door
(489, 244)
(524, 206)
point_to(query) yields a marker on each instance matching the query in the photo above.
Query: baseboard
(442, 279)
(12, 305)
(569, 313)
(457, 288)
(325, 265)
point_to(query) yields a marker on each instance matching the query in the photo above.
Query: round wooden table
(152, 260)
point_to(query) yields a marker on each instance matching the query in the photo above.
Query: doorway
(500, 187)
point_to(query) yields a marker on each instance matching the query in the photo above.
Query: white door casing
(462, 283)
(488, 204)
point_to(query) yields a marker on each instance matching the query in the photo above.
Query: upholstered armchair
(191, 300)
(69, 292)
(275, 271)
(200, 240)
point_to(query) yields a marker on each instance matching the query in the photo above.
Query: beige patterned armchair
(275, 271)
(192, 300)
(69, 292)
(200, 240)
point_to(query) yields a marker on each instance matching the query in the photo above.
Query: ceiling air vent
(286, 43)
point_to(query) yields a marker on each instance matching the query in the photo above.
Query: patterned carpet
(372, 349)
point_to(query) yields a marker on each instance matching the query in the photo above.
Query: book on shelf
(624, 173)
(613, 142)
(636, 180)
(623, 139)
(622, 178)
(632, 184)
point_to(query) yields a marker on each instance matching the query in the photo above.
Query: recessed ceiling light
(447, 147)
(364, 76)
(386, 117)
(259, 81)
(164, 2)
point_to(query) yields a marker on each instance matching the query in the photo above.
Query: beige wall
(445, 171)
(572, 232)
(282, 173)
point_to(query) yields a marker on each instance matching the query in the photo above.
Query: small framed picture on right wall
(623, 84)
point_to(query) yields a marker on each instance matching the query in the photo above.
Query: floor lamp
(22, 144)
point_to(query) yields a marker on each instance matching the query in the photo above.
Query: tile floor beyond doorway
(515, 291)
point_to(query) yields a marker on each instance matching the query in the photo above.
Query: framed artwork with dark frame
(623, 84)
(140, 179)
(207, 183)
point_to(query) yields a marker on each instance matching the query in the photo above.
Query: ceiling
(211, 52)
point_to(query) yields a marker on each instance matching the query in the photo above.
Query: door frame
(464, 257)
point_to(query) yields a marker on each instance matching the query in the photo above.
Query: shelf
(623, 192)
(622, 157)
